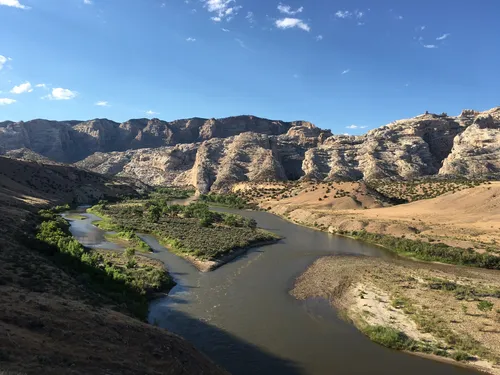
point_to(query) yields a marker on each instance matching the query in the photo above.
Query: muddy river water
(242, 316)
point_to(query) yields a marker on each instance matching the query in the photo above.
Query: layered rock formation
(214, 154)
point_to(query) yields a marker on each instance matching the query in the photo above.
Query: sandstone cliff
(213, 154)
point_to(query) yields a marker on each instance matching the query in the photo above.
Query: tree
(154, 214)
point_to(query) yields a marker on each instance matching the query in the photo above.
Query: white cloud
(22, 88)
(352, 127)
(343, 14)
(102, 103)
(429, 46)
(61, 94)
(286, 9)
(151, 113)
(288, 23)
(421, 28)
(14, 4)
(225, 30)
(191, 39)
(3, 60)
(399, 18)
(87, 2)
(223, 9)
(348, 14)
(319, 37)
(363, 127)
(346, 134)
(250, 17)
(41, 85)
(443, 37)
(6, 101)
(346, 71)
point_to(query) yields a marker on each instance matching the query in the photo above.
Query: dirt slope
(49, 321)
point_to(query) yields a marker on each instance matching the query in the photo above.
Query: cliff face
(70, 141)
(214, 154)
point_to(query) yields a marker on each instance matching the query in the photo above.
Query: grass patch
(130, 239)
(75, 217)
(429, 251)
(463, 292)
(390, 337)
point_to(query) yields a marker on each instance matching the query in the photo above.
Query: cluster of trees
(229, 200)
(192, 229)
(121, 284)
(197, 210)
(431, 251)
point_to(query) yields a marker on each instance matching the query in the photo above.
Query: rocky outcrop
(213, 154)
(476, 152)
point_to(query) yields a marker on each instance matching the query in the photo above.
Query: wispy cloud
(399, 18)
(250, 17)
(14, 4)
(288, 23)
(346, 71)
(190, 39)
(61, 94)
(352, 127)
(87, 2)
(41, 85)
(349, 14)
(443, 37)
(102, 103)
(430, 46)
(295, 76)
(225, 30)
(152, 113)
(3, 60)
(22, 88)
(242, 44)
(421, 28)
(319, 37)
(287, 9)
(7, 101)
(223, 9)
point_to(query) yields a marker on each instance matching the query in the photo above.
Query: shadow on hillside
(232, 353)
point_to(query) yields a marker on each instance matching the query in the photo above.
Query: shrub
(485, 306)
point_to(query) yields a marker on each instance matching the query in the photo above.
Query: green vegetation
(189, 230)
(228, 200)
(390, 337)
(485, 306)
(458, 347)
(463, 292)
(433, 252)
(130, 284)
(75, 217)
(131, 239)
(165, 194)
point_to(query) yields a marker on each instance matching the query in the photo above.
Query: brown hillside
(49, 321)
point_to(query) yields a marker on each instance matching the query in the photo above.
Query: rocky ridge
(214, 154)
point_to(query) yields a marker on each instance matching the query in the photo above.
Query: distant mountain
(213, 154)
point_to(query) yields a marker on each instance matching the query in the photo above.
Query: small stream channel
(242, 316)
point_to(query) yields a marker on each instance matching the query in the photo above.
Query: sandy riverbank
(437, 307)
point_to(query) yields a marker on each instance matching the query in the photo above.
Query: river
(242, 316)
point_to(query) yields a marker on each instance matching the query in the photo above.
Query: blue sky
(334, 63)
